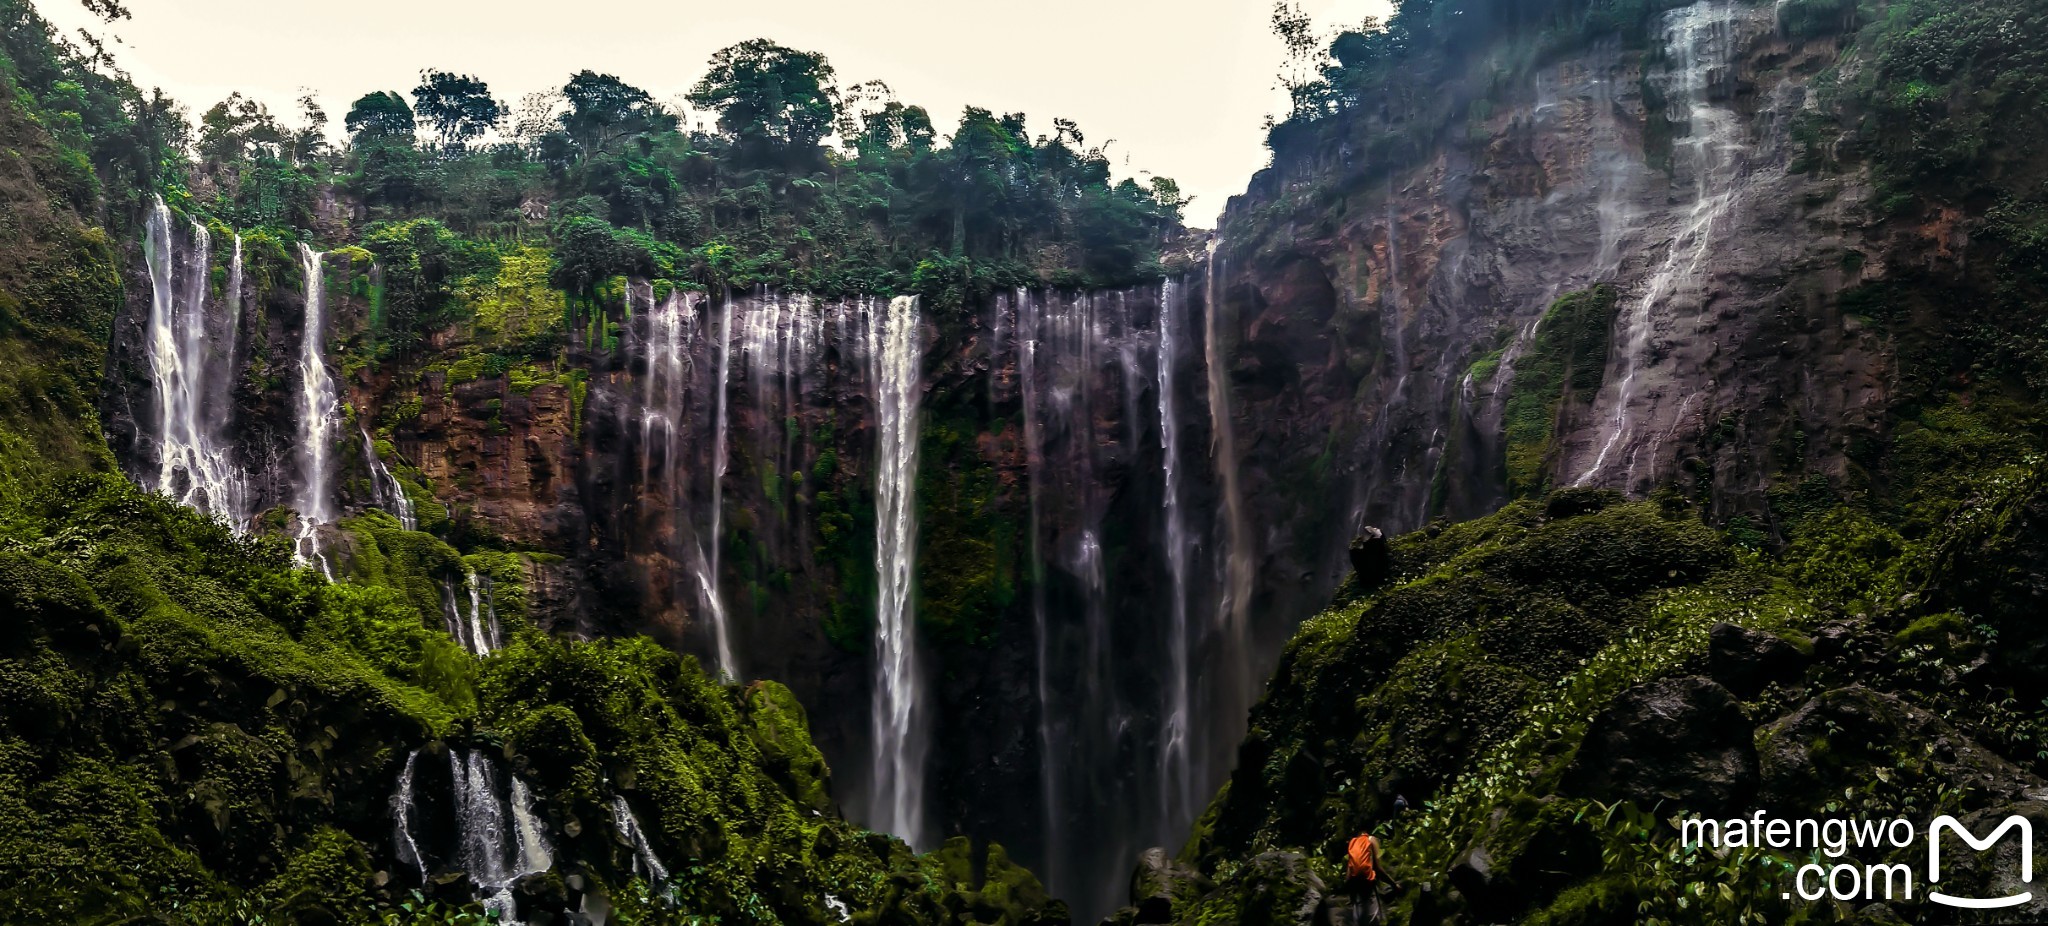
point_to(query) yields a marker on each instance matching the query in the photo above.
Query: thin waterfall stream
(318, 409)
(898, 774)
(1176, 796)
(1698, 39)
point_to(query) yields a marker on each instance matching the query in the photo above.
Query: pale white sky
(1183, 86)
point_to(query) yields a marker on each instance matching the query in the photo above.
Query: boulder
(1159, 884)
(1747, 661)
(1681, 742)
(1272, 889)
(1846, 736)
(1529, 849)
(1372, 558)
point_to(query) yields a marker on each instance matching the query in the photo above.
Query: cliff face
(1127, 499)
(702, 468)
(1382, 310)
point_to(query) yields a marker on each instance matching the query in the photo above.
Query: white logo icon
(2026, 860)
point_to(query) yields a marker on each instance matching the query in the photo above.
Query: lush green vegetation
(1559, 374)
(197, 731)
(1472, 682)
(800, 186)
(1482, 678)
(205, 734)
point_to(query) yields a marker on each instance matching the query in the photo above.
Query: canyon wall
(1125, 500)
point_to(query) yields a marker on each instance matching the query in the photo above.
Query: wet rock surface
(1745, 661)
(1857, 734)
(1682, 741)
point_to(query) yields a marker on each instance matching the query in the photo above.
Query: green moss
(465, 370)
(967, 569)
(1558, 375)
(518, 306)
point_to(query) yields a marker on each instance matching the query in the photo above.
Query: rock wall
(698, 466)
(1375, 312)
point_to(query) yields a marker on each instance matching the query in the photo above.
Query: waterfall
(1176, 773)
(898, 779)
(664, 412)
(480, 822)
(407, 849)
(318, 407)
(1700, 40)
(1105, 651)
(483, 616)
(191, 367)
(390, 494)
(531, 855)
(645, 863)
(498, 840)
(477, 631)
(707, 576)
(452, 619)
(493, 863)
(1028, 321)
(660, 404)
(1238, 565)
(232, 331)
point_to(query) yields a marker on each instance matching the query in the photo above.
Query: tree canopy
(458, 106)
(794, 186)
(771, 96)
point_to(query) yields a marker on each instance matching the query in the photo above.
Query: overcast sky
(1182, 86)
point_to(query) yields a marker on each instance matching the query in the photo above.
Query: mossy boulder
(1269, 889)
(1858, 735)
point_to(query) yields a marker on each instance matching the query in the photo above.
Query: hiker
(1364, 877)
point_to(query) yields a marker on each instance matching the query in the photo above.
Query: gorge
(624, 522)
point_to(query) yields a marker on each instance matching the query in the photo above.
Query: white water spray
(707, 576)
(1700, 40)
(1175, 753)
(390, 494)
(408, 849)
(193, 462)
(317, 411)
(898, 779)
(645, 863)
(1238, 565)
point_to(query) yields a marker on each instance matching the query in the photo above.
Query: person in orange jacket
(1363, 876)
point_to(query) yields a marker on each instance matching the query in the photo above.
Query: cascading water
(665, 406)
(645, 863)
(452, 619)
(1238, 567)
(1176, 772)
(1699, 40)
(493, 862)
(402, 803)
(707, 575)
(1028, 311)
(318, 408)
(483, 616)
(1120, 752)
(899, 747)
(189, 355)
(532, 854)
(477, 629)
(390, 494)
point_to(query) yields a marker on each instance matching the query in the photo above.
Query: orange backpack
(1362, 862)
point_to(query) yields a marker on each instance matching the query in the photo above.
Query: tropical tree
(382, 116)
(386, 164)
(769, 96)
(603, 109)
(458, 106)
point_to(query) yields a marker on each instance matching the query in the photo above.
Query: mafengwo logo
(1893, 881)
